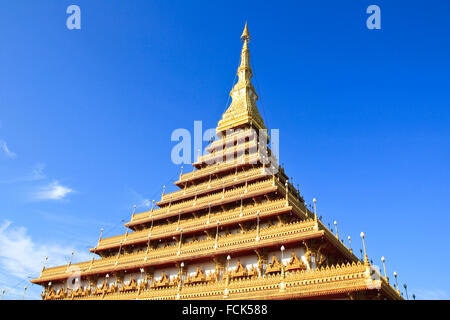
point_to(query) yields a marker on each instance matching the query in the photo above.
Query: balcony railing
(273, 235)
(203, 202)
(334, 280)
(219, 167)
(201, 223)
(227, 153)
(249, 133)
(214, 185)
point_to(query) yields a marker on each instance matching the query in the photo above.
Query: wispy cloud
(38, 172)
(139, 200)
(431, 294)
(52, 191)
(5, 150)
(22, 258)
(146, 203)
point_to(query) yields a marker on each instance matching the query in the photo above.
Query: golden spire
(243, 109)
(245, 34)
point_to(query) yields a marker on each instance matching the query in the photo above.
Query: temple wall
(170, 272)
(137, 276)
(299, 252)
(207, 267)
(246, 261)
(191, 268)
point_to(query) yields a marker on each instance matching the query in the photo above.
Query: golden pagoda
(236, 229)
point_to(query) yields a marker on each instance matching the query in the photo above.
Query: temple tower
(236, 229)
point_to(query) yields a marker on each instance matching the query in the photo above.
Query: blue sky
(86, 118)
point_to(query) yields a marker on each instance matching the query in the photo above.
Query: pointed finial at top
(245, 34)
(243, 109)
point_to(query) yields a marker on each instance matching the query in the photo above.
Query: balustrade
(227, 153)
(203, 202)
(294, 231)
(218, 167)
(341, 277)
(213, 185)
(193, 224)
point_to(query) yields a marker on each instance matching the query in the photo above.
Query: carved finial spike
(245, 34)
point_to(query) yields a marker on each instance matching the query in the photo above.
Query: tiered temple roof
(221, 235)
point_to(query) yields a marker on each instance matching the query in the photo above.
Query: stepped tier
(209, 221)
(228, 154)
(337, 281)
(214, 199)
(219, 167)
(274, 235)
(236, 136)
(213, 185)
(199, 224)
